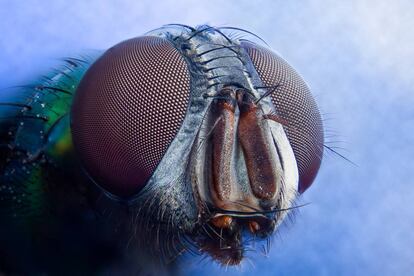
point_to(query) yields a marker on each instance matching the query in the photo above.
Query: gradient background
(357, 57)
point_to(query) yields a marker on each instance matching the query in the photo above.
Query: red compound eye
(127, 110)
(295, 105)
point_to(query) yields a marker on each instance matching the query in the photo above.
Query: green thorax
(36, 143)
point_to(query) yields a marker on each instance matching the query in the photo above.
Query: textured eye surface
(295, 105)
(127, 109)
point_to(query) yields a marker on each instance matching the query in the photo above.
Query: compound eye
(127, 110)
(294, 104)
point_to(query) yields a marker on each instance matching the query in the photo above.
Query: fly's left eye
(127, 110)
(295, 105)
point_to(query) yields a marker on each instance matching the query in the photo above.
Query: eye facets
(127, 110)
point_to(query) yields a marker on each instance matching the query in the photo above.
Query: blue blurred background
(358, 59)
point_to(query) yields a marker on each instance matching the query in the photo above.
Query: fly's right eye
(127, 110)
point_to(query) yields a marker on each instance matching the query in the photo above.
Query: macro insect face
(196, 139)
